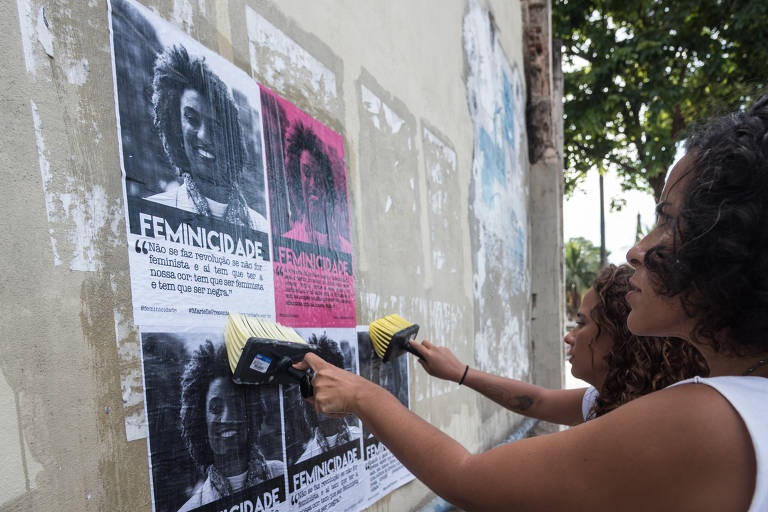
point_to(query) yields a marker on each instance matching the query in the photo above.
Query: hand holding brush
(440, 362)
(336, 391)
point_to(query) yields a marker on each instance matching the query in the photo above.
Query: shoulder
(686, 443)
(177, 198)
(194, 501)
(258, 220)
(275, 468)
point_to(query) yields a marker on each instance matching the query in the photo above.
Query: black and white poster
(323, 454)
(213, 444)
(193, 161)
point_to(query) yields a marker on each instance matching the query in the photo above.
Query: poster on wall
(307, 186)
(384, 472)
(192, 157)
(323, 454)
(212, 444)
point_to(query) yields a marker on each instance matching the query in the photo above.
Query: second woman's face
(653, 314)
(587, 350)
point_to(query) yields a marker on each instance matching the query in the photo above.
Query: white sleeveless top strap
(590, 396)
(749, 396)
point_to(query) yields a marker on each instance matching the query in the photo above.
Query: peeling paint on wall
(77, 71)
(443, 195)
(84, 211)
(183, 15)
(18, 468)
(499, 198)
(381, 112)
(129, 357)
(27, 28)
(388, 159)
(44, 33)
(45, 174)
(282, 64)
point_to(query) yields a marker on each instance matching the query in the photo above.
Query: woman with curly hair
(702, 444)
(199, 127)
(619, 365)
(312, 189)
(217, 419)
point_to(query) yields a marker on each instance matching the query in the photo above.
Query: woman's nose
(569, 337)
(203, 132)
(636, 255)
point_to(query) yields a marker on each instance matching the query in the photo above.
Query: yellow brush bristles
(381, 331)
(241, 327)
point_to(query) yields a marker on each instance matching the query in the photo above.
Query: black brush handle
(300, 376)
(408, 347)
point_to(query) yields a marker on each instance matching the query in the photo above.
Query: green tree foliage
(638, 73)
(582, 262)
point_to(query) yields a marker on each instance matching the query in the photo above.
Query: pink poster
(309, 211)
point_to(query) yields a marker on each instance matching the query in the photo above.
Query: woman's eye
(214, 406)
(192, 118)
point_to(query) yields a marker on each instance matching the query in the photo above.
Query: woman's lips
(633, 290)
(205, 154)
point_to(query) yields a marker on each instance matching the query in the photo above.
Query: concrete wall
(430, 98)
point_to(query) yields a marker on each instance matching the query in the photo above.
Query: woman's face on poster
(201, 134)
(313, 188)
(226, 419)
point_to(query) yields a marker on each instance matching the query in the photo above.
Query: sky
(581, 215)
(581, 212)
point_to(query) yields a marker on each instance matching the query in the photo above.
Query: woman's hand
(439, 361)
(336, 391)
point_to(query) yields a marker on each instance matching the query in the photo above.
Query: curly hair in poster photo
(218, 425)
(209, 161)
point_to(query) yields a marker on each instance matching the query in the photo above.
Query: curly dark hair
(302, 138)
(175, 71)
(208, 363)
(637, 365)
(716, 263)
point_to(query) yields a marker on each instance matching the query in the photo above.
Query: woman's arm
(683, 448)
(561, 406)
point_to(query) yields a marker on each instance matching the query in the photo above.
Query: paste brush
(263, 352)
(391, 336)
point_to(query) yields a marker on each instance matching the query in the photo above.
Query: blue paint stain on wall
(493, 170)
(509, 114)
(493, 149)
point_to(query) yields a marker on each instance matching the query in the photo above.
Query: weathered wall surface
(430, 98)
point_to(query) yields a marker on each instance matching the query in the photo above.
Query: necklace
(760, 363)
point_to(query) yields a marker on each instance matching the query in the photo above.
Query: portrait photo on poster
(191, 151)
(210, 440)
(306, 176)
(190, 123)
(309, 434)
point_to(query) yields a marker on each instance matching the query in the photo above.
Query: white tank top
(588, 401)
(749, 396)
